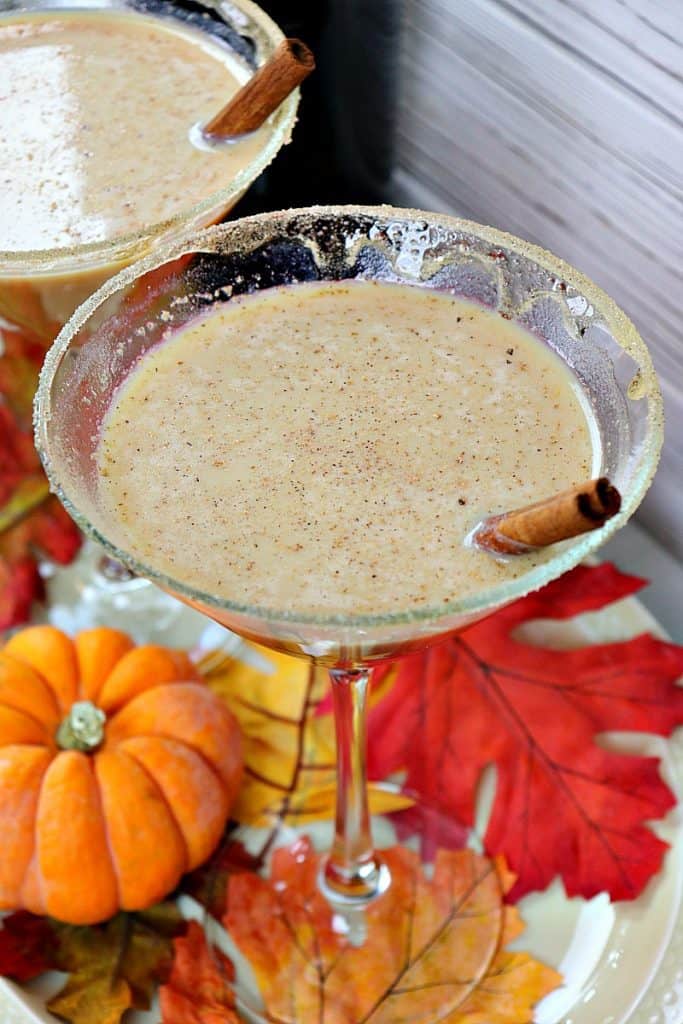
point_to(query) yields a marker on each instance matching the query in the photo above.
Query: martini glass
(40, 289)
(133, 312)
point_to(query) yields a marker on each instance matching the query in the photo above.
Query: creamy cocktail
(100, 158)
(329, 447)
(97, 114)
(103, 156)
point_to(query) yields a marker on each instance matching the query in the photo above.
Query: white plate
(622, 962)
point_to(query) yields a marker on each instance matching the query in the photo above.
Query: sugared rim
(568, 555)
(123, 248)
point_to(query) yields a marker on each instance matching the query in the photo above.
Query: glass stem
(352, 871)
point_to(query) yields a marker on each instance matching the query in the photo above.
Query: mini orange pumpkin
(118, 768)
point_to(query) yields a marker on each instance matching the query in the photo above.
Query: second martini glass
(133, 312)
(40, 287)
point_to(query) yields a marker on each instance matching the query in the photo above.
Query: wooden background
(562, 121)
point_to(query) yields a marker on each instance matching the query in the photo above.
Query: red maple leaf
(31, 523)
(48, 531)
(18, 457)
(27, 946)
(563, 804)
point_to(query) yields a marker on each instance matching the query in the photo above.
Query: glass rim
(569, 553)
(90, 255)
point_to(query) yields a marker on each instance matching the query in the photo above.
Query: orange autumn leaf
(289, 748)
(21, 306)
(434, 947)
(18, 383)
(199, 988)
(506, 994)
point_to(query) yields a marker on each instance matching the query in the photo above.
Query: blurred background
(558, 120)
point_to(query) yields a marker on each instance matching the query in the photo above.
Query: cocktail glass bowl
(133, 312)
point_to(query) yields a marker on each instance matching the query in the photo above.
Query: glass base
(415, 952)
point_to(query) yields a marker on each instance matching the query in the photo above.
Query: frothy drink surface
(327, 448)
(95, 119)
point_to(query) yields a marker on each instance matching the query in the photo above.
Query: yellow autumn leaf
(289, 747)
(514, 982)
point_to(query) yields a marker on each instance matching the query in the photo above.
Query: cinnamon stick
(565, 515)
(290, 63)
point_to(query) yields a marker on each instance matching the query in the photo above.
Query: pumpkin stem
(83, 727)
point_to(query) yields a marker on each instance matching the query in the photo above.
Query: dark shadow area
(342, 145)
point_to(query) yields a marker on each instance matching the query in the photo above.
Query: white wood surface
(562, 121)
(633, 550)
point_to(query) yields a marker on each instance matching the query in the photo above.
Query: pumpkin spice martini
(103, 158)
(299, 428)
(100, 159)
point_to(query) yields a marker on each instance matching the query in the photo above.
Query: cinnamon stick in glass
(561, 517)
(289, 64)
